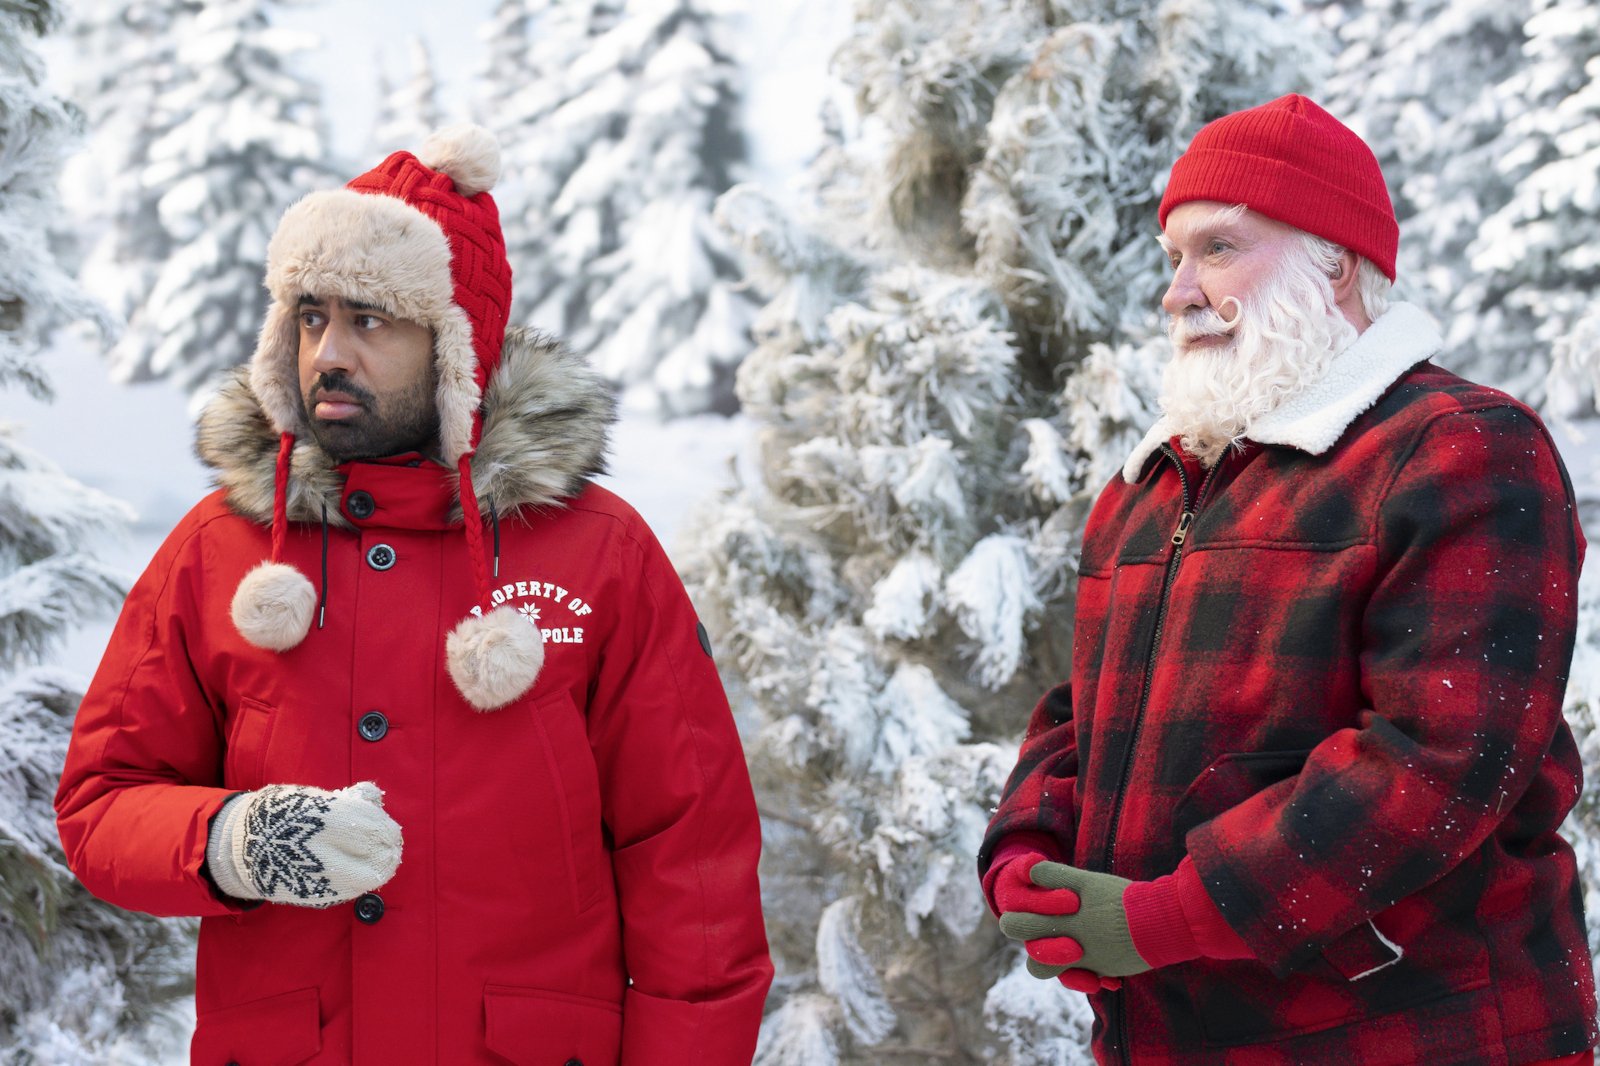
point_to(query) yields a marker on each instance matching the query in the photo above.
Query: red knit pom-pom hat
(1292, 161)
(418, 236)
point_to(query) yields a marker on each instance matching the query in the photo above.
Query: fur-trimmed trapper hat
(418, 236)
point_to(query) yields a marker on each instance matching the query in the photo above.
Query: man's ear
(1346, 289)
(1344, 274)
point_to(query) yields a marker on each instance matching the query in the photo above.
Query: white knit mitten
(302, 845)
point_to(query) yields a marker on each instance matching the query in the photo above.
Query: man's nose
(1184, 293)
(333, 350)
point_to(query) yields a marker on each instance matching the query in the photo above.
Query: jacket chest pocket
(244, 765)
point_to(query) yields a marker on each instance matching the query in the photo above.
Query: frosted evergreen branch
(40, 601)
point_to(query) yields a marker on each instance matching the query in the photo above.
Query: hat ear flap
(275, 367)
(458, 392)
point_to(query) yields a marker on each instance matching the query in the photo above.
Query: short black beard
(405, 423)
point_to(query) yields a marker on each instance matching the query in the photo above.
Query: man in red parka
(1298, 801)
(442, 790)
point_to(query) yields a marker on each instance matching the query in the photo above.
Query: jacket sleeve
(1039, 796)
(143, 773)
(686, 839)
(1466, 640)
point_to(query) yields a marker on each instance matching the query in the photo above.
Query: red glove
(1009, 889)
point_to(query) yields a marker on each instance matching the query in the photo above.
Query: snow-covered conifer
(507, 38)
(1483, 115)
(960, 345)
(127, 62)
(410, 111)
(229, 136)
(623, 136)
(81, 982)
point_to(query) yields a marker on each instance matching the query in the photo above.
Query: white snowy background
(885, 535)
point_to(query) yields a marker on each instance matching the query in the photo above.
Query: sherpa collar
(1312, 421)
(548, 416)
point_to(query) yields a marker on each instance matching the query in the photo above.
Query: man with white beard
(1299, 800)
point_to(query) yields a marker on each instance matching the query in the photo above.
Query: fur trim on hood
(546, 425)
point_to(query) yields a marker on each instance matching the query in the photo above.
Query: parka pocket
(244, 764)
(571, 765)
(276, 1031)
(531, 1026)
(1231, 779)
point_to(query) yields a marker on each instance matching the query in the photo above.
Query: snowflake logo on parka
(530, 612)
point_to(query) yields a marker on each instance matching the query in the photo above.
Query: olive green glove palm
(1099, 926)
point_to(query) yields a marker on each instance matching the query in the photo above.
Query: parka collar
(547, 420)
(1314, 420)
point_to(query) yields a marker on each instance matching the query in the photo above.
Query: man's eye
(1217, 248)
(1174, 260)
(310, 319)
(368, 321)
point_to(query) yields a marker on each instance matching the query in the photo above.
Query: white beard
(1284, 337)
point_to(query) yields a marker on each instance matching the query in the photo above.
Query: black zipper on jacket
(1179, 535)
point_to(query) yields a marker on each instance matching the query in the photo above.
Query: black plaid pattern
(1353, 727)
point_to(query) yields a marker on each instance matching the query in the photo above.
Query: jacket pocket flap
(531, 1025)
(1230, 780)
(276, 1031)
(1362, 951)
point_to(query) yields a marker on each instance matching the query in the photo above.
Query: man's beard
(1284, 337)
(405, 423)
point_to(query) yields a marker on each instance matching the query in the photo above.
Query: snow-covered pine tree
(127, 63)
(1484, 116)
(623, 136)
(505, 72)
(82, 982)
(409, 112)
(960, 346)
(238, 138)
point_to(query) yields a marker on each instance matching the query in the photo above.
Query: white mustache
(1184, 330)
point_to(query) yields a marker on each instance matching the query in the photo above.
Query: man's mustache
(1203, 322)
(339, 383)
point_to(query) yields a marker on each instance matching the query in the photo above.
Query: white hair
(1372, 285)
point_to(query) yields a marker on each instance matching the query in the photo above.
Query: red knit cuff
(1213, 936)
(1011, 846)
(1157, 924)
(1582, 1058)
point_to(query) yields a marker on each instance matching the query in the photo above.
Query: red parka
(578, 880)
(1331, 673)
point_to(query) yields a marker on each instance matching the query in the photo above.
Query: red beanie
(1292, 161)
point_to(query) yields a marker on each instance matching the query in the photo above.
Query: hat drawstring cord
(322, 594)
(494, 522)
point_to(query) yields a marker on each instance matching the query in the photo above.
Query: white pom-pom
(494, 659)
(468, 153)
(272, 606)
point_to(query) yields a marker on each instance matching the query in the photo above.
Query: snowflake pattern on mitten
(278, 831)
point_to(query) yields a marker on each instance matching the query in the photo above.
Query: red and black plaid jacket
(1334, 679)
